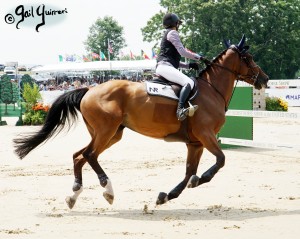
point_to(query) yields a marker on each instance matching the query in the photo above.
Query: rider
(168, 61)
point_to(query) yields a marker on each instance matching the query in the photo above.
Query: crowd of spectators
(66, 83)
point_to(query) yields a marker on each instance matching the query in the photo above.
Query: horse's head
(249, 71)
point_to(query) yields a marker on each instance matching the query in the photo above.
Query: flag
(102, 56)
(70, 58)
(144, 55)
(85, 58)
(95, 55)
(131, 55)
(153, 54)
(60, 57)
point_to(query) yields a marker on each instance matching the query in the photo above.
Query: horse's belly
(155, 119)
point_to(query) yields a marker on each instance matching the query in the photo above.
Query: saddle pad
(160, 90)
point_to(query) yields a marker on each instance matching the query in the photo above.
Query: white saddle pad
(160, 90)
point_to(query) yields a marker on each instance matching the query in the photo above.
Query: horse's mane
(213, 61)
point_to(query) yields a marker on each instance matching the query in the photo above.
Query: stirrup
(182, 114)
(192, 109)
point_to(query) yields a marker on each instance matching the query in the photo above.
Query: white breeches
(173, 75)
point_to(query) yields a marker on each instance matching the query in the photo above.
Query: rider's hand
(194, 65)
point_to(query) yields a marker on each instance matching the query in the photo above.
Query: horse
(114, 105)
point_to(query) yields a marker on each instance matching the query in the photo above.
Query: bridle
(244, 58)
(253, 78)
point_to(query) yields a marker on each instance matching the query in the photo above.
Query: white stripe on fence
(263, 114)
(254, 144)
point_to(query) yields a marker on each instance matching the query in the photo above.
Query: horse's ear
(227, 43)
(245, 49)
(242, 42)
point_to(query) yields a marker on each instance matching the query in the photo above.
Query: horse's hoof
(193, 182)
(108, 197)
(162, 198)
(70, 201)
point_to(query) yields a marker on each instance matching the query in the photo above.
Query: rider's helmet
(171, 20)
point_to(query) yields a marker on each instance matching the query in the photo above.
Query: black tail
(62, 111)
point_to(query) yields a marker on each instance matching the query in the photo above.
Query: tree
(100, 32)
(6, 93)
(26, 79)
(15, 93)
(272, 29)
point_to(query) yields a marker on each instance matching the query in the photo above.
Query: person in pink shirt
(168, 61)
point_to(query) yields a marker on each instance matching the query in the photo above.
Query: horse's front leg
(78, 161)
(212, 145)
(195, 151)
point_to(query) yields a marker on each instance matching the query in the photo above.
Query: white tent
(98, 66)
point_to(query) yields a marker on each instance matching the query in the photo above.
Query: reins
(237, 74)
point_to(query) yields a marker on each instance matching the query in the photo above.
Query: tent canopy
(98, 66)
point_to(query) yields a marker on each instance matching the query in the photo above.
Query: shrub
(35, 113)
(276, 104)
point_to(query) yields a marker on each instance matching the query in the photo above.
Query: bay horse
(112, 106)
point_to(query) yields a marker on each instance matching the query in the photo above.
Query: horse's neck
(223, 79)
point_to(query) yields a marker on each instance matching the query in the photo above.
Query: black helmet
(171, 20)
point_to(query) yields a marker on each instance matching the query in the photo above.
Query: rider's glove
(194, 66)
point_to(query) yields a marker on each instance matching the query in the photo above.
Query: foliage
(6, 92)
(31, 95)
(276, 104)
(272, 29)
(36, 115)
(100, 32)
(26, 79)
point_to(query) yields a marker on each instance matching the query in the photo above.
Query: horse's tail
(62, 111)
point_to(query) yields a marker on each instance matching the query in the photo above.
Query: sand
(256, 195)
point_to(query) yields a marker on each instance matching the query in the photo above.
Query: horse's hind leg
(97, 146)
(195, 151)
(78, 161)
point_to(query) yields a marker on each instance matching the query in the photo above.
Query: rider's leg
(184, 94)
(174, 75)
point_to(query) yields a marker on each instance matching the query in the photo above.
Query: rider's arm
(174, 38)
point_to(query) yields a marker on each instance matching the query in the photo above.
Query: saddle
(160, 86)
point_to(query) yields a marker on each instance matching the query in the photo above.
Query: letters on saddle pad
(160, 90)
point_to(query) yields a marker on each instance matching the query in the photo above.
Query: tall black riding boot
(184, 94)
